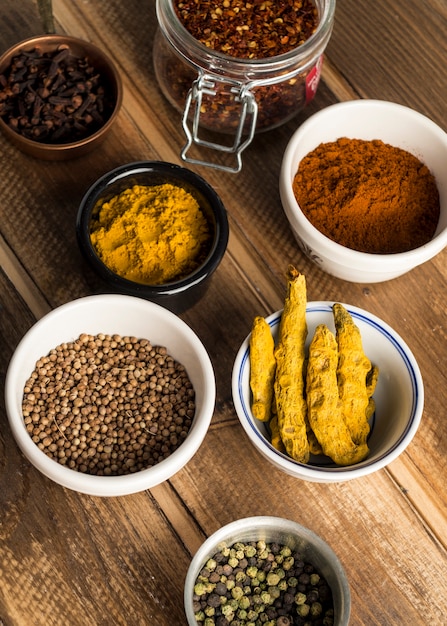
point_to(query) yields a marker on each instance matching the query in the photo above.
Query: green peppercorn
(261, 576)
(303, 610)
(228, 612)
(316, 608)
(288, 563)
(202, 588)
(244, 602)
(211, 564)
(272, 579)
(250, 551)
(300, 598)
(266, 597)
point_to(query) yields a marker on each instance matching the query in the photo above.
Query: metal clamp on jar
(231, 95)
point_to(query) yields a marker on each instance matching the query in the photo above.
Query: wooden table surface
(67, 559)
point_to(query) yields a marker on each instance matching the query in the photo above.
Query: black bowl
(176, 296)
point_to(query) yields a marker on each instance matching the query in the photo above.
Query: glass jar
(231, 95)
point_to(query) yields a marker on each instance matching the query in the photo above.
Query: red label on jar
(312, 79)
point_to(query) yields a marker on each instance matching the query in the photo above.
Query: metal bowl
(285, 532)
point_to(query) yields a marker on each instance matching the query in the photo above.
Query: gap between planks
(336, 82)
(22, 282)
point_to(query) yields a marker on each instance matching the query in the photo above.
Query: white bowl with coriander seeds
(282, 549)
(128, 391)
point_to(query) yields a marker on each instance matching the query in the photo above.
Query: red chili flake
(250, 30)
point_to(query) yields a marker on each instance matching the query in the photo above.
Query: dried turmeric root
(262, 369)
(289, 380)
(371, 382)
(314, 444)
(353, 368)
(323, 402)
(276, 440)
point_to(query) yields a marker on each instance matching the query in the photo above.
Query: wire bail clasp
(205, 85)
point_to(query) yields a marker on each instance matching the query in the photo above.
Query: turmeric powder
(151, 234)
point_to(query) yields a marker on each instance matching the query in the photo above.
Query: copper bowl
(113, 92)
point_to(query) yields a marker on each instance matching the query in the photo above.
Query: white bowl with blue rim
(399, 398)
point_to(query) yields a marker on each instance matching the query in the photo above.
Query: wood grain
(73, 560)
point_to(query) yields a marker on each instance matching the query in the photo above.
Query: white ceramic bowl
(399, 398)
(126, 316)
(285, 532)
(365, 119)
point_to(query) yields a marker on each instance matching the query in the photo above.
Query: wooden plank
(385, 548)
(67, 558)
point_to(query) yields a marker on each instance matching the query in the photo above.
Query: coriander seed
(86, 408)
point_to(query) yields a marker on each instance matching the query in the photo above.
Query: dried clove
(53, 97)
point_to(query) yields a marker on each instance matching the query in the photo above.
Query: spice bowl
(369, 120)
(398, 396)
(295, 543)
(143, 222)
(60, 96)
(134, 434)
